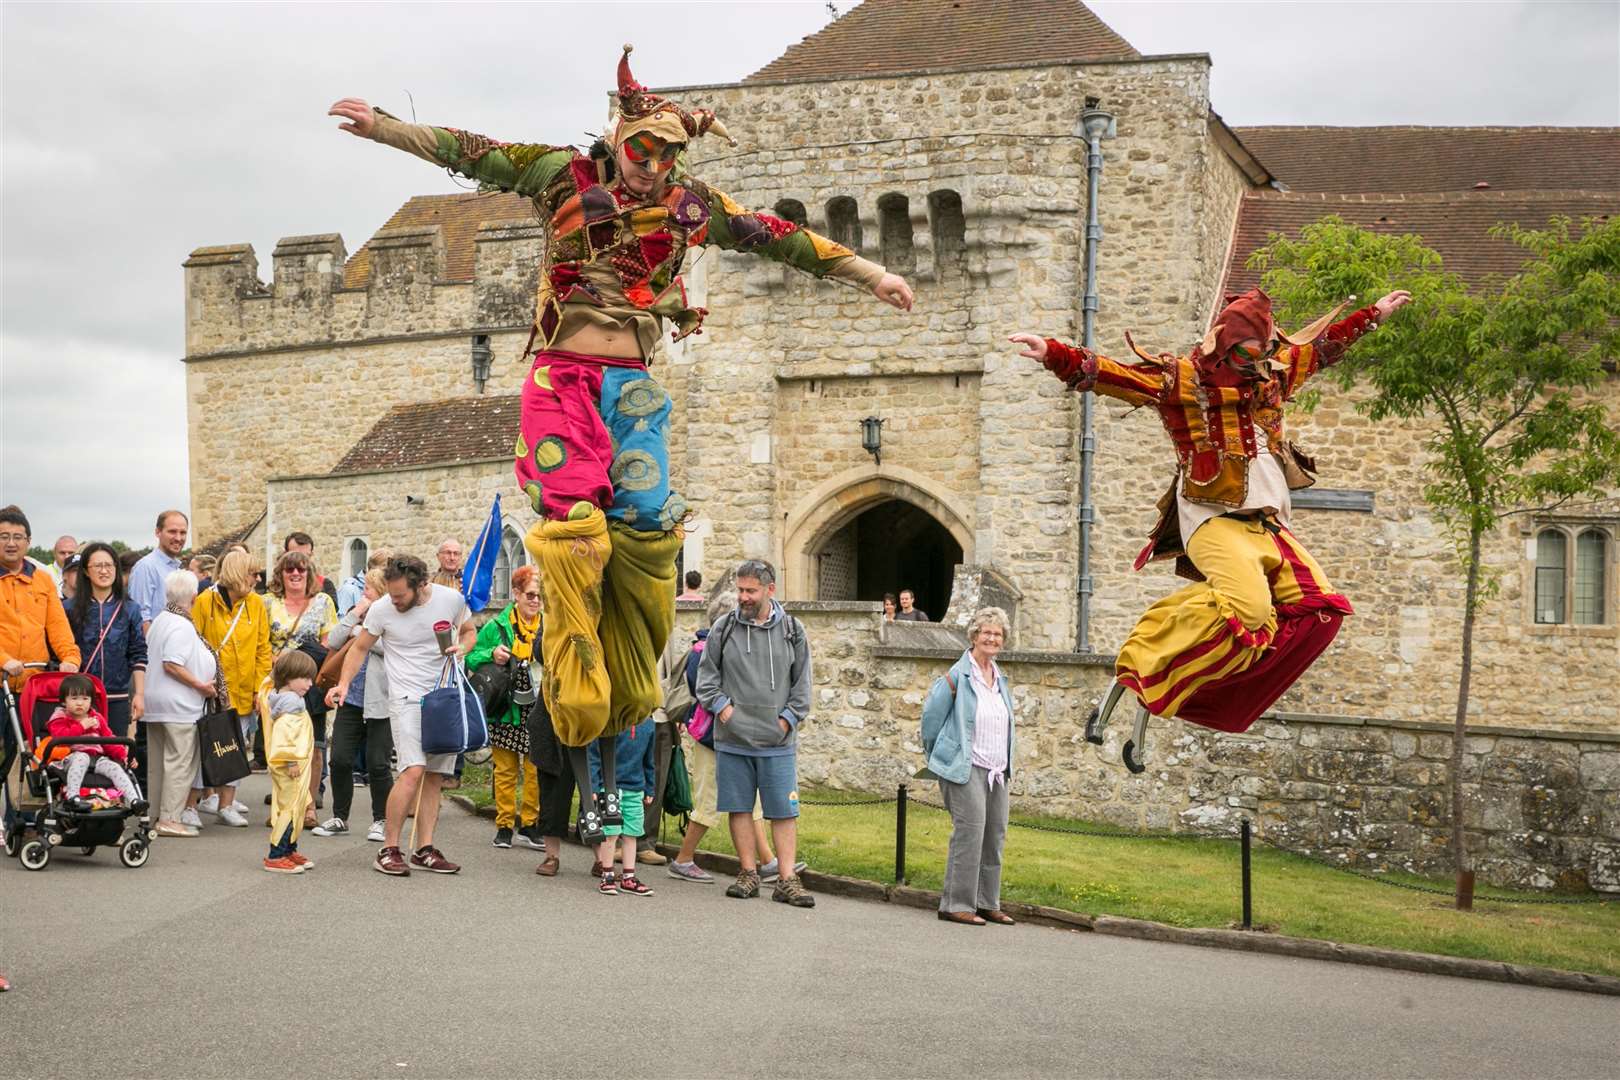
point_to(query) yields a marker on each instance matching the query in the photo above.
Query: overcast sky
(133, 133)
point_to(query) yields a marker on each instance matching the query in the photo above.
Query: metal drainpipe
(1097, 125)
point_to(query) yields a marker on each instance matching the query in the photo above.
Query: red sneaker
(431, 858)
(391, 861)
(306, 863)
(283, 866)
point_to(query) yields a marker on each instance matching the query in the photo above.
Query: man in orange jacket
(32, 622)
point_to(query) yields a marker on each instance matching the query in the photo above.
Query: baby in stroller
(74, 717)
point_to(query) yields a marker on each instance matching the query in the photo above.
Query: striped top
(991, 724)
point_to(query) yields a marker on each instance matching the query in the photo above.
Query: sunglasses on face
(530, 595)
(644, 147)
(295, 570)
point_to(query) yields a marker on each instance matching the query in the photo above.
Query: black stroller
(34, 801)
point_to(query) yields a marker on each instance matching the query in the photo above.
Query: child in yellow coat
(289, 739)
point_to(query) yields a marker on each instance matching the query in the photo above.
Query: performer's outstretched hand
(1393, 303)
(358, 113)
(893, 290)
(1034, 348)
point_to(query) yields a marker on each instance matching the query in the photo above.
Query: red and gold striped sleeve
(1300, 362)
(1082, 369)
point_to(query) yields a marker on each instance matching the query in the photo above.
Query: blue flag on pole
(478, 576)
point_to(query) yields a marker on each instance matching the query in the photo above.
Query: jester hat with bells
(1246, 316)
(642, 110)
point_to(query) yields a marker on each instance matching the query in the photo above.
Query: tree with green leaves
(1508, 372)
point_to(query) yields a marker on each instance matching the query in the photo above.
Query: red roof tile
(890, 37)
(1457, 225)
(1411, 160)
(436, 433)
(458, 216)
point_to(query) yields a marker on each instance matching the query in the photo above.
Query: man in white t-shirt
(414, 662)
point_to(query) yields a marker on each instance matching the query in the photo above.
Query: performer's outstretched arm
(1300, 362)
(1082, 369)
(526, 168)
(736, 228)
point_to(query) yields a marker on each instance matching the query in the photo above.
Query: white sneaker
(378, 832)
(331, 827)
(230, 817)
(209, 805)
(236, 804)
(188, 816)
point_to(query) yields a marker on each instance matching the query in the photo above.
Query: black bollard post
(1248, 912)
(900, 836)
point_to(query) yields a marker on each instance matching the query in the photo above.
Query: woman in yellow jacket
(232, 618)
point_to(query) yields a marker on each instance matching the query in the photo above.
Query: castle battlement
(416, 279)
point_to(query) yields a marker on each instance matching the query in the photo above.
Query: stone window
(792, 210)
(1591, 577)
(1572, 575)
(894, 233)
(844, 222)
(358, 554)
(949, 228)
(1551, 569)
(507, 559)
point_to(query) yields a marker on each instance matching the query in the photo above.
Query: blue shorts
(739, 777)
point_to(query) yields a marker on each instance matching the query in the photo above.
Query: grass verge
(1194, 883)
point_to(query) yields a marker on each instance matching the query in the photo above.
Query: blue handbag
(452, 716)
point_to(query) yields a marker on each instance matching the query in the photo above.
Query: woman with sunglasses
(107, 626)
(301, 617)
(1219, 652)
(592, 452)
(508, 641)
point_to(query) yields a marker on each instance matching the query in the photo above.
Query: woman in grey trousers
(967, 734)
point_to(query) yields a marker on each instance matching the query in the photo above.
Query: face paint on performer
(645, 159)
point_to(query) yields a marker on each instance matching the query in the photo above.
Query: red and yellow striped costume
(1219, 652)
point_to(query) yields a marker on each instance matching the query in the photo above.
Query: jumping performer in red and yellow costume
(592, 452)
(1221, 651)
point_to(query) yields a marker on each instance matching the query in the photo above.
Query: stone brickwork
(1542, 809)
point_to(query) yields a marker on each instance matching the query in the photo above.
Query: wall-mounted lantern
(872, 438)
(483, 359)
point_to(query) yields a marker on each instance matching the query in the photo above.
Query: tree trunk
(1459, 843)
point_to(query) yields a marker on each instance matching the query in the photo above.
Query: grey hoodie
(763, 675)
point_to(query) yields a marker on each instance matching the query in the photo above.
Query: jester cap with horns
(641, 110)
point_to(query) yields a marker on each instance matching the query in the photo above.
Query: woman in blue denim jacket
(107, 626)
(967, 734)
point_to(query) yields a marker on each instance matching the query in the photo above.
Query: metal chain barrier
(902, 796)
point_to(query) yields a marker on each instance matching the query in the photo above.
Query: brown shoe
(391, 861)
(966, 918)
(431, 858)
(649, 857)
(548, 866)
(999, 917)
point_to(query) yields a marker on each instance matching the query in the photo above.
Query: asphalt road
(202, 965)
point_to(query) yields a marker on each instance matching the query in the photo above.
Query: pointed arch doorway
(860, 537)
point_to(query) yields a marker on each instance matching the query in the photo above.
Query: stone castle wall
(1542, 809)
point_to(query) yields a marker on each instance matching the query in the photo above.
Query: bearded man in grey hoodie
(754, 679)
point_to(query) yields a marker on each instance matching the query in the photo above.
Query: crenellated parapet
(412, 280)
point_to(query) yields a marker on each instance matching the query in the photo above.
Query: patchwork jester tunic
(1221, 651)
(594, 429)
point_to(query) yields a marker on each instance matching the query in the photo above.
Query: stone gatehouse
(955, 159)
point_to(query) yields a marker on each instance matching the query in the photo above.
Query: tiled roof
(216, 547)
(1457, 225)
(459, 217)
(436, 433)
(1411, 160)
(889, 37)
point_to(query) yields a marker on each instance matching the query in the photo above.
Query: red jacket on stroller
(63, 726)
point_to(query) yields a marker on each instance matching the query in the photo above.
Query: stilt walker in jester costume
(1221, 651)
(592, 454)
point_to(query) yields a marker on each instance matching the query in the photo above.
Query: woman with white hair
(967, 733)
(182, 675)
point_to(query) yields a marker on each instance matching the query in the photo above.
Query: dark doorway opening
(891, 546)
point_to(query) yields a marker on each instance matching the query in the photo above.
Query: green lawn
(1195, 883)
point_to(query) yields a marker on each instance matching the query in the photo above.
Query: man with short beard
(754, 679)
(147, 578)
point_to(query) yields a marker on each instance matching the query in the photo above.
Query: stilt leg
(590, 817)
(1101, 713)
(1137, 743)
(611, 814)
